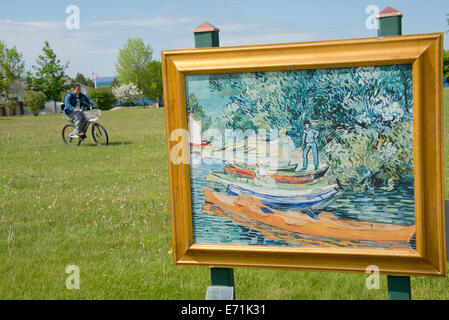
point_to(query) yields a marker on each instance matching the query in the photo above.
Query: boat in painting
(286, 198)
(325, 225)
(266, 182)
(283, 176)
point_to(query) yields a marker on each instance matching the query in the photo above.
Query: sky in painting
(105, 25)
(211, 101)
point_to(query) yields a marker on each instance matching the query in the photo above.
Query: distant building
(17, 90)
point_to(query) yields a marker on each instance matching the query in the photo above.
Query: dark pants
(80, 120)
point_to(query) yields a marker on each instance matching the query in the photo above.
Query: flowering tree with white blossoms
(127, 93)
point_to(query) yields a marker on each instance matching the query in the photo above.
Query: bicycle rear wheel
(100, 135)
(69, 136)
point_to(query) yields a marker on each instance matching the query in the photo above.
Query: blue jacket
(70, 101)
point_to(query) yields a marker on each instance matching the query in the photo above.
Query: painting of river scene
(304, 158)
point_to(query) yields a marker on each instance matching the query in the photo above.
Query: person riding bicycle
(73, 103)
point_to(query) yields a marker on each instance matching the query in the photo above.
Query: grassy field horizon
(106, 210)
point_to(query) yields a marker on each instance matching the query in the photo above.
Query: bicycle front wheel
(100, 135)
(69, 135)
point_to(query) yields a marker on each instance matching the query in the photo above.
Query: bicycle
(99, 133)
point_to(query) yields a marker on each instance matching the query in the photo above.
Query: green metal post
(399, 288)
(390, 24)
(206, 35)
(222, 277)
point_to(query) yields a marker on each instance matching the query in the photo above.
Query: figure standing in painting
(309, 142)
(287, 148)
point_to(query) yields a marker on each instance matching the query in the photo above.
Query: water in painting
(308, 158)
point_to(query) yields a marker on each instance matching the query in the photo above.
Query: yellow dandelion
(169, 251)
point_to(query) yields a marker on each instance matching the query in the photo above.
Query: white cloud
(96, 44)
(69, 45)
(266, 38)
(239, 26)
(157, 22)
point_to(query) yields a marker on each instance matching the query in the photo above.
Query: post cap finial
(389, 12)
(205, 27)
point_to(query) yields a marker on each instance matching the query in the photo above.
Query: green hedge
(103, 97)
(34, 100)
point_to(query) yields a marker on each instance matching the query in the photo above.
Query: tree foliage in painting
(197, 112)
(364, 115)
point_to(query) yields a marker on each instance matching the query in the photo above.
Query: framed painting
(322, 156)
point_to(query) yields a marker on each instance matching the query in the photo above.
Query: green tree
(11, 68)
(446, 64)
(91, 84)
(80, 78)
(103, 96)
(154, 80)
(133, 61)
(49, 76)
(34, 100)
(135, 65)
(114, 83)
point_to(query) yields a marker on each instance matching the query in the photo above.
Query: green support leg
(206, 35)
(222, 284)
(399, 288)
(222, 277)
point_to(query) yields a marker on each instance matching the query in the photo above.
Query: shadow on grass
(114, 143)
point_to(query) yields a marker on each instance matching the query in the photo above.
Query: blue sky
(105, 25)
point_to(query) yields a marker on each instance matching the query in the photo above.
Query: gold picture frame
(423, 52)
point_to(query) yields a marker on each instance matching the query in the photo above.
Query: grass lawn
(106, 210)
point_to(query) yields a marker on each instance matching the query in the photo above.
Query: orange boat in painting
(327, 225)
(276, 177)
